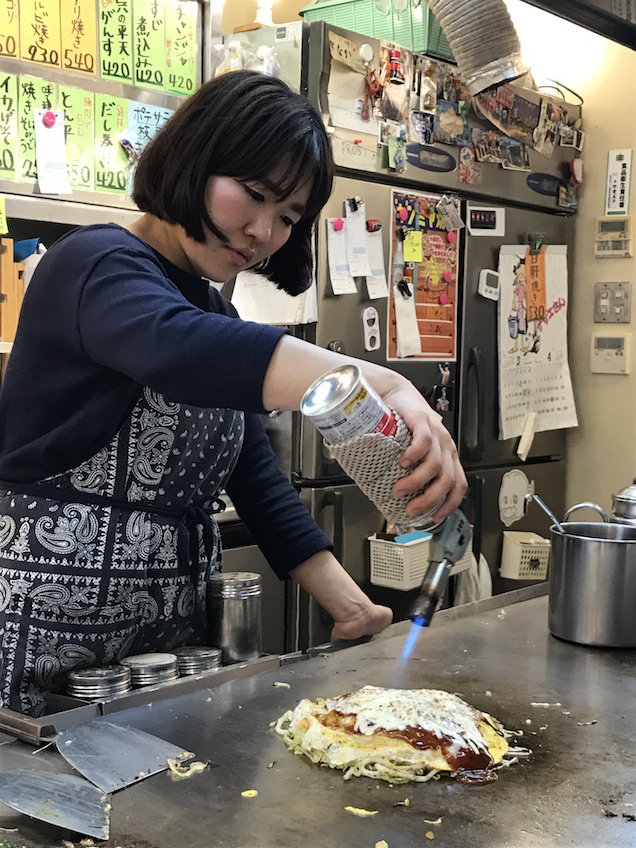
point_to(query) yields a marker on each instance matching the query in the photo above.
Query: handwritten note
(143, 122)
(116, 39)
(181, 46)
(79, 36)
(149, 37)
(111, 128)
(9, 29)
(40, 35)
(341, 280)
(33, 94)
(413, 246)
(79, 121)
(8, 125)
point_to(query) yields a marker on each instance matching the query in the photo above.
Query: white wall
(602, 450)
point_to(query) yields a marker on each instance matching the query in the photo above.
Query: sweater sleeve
(270, 506)
(135, 321)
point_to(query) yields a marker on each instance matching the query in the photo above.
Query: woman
(132, 392)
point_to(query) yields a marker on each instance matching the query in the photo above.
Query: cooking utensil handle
(336, 500)
(474, 411)
(25, 728)
(586, 505)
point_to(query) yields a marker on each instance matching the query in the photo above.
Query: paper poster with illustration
(469, 171)
(509, 111)
(534, 374)
(451, 126)
(422, 303)
(396, 73)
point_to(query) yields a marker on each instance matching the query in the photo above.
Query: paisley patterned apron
(111, 558)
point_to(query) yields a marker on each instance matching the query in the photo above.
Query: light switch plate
(612, 303)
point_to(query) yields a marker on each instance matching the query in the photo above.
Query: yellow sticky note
(413, 246)
(4, 229)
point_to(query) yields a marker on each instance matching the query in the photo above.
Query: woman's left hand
(373, 619)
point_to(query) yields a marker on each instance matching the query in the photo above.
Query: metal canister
(149, 669)
(196, 658)
(342, 406)
(234, 615)
(94, 684)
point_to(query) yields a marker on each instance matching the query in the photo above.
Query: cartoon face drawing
(512, 494)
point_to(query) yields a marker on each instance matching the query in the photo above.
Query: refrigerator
(336, 503)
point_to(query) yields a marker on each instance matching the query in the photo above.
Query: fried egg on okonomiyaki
(395, 734)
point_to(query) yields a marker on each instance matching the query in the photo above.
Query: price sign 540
(77, 61)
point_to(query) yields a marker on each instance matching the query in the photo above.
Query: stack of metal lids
(196, 658)
(96, 683)
(149, 669)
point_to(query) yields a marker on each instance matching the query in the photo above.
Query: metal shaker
(234, 615)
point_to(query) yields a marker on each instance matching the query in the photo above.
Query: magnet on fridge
(373, 225)
(404, 214)
(48, 118)
(338, 224)
(450, 235)
(371, 326)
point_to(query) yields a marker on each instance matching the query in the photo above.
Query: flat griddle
(574, 704)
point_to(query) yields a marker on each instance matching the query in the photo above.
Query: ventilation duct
(483, 39)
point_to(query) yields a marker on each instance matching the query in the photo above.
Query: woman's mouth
(239, 257)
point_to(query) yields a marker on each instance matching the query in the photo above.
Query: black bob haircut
(247, 125)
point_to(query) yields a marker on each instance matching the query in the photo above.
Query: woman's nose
(260, 227)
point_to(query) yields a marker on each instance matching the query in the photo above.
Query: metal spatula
(61, 799)
(113, 757)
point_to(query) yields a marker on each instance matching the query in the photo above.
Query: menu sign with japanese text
(32, 94)
(40, 35)
(9, 29)
(116, 39)
(79, 35)
(79, 119)
(111, 128)
(150, 46)
(181, 46)
(143, 122)
(8, 125)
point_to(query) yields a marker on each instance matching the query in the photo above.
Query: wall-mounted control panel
(610, 354)
(613, 237)
(612, 303)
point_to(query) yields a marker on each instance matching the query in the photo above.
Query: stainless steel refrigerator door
(340, 323)
(479, 444)
(484, 487)
(348, 518)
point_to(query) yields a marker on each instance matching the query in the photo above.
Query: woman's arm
(354, 614)
(296, 364)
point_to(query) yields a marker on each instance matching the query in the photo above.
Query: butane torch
(448, 546)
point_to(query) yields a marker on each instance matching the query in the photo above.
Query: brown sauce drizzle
(463, 760)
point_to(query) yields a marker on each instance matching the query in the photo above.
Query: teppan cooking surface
(574, 704)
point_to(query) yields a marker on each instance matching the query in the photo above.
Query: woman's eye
(255, 195)
(287, 221)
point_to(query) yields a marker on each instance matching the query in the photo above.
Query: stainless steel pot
(592, 597)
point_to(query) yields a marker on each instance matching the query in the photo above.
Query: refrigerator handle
(336, 500)
(474, 410)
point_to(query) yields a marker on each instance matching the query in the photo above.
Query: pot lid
(627, 495)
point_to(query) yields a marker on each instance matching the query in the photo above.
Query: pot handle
(586, 505)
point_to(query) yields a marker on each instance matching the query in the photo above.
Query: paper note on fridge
(534, 375)
(257, 299)
(356, 238)
(376, 280)
(342, 281)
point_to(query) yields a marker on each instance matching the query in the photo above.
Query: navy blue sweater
(103, 316)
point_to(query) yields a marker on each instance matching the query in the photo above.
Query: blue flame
(411, 639)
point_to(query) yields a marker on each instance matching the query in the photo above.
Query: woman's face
(255, 222)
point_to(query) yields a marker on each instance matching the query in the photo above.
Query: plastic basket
(414, 27)
(525, 556)
(403, 567)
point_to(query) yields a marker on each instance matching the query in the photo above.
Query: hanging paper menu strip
(181, 46)
(8, 125)
(79, 121)
(149, 36)
(111, 128)
(116, 39)
(40, 37)
(9, 29)
(144, 121)
(33, 94)
(535, 283)
(79, 36)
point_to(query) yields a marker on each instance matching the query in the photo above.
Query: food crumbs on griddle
(281, 685)
(272, 764)
(382, 844)
(610, 814)
(629, 817)
(437, 821)
(586, 723)
(359, 811)
(477, 776)
(430, 834)
(249, 793)
(404, 803)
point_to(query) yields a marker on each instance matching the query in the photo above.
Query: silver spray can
(234, 615)
(342, 406)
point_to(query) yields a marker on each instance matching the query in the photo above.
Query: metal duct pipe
(483, 39)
